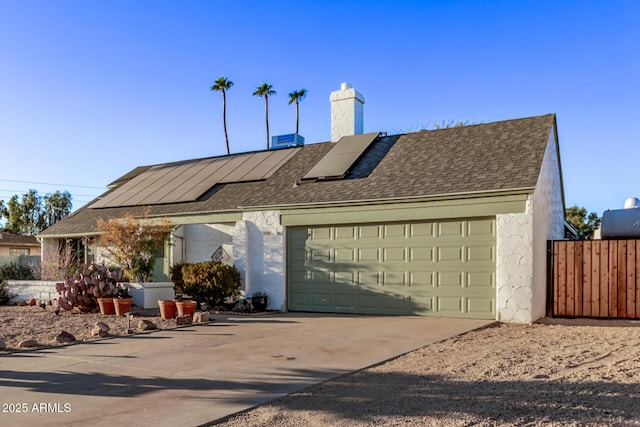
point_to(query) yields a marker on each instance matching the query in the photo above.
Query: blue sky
(91, 89)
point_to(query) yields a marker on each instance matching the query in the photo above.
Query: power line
(49, 183)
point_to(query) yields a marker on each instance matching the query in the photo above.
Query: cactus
(90, 282)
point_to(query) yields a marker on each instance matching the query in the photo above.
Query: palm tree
(263, 91)
(297, 96)
(221, 85)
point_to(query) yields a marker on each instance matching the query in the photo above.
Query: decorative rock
(3, 344)
(100, 329)
(65, 337)
(184, 320)
(146, 325)
(243, 306)
(201, 317)
(28, 343)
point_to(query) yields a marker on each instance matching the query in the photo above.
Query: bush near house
(176, 276)
(211, 282)
(15, 271)
(5, 296)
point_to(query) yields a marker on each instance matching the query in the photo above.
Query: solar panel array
(337, 162)
(187, 181)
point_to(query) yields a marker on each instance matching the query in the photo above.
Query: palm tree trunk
(297, 116)
(224, 119)
(266, 109)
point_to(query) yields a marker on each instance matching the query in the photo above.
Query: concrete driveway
(194, 375)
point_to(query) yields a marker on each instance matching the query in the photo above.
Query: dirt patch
(569, 373)
(19, 323)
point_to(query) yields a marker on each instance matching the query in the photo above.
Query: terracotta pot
(167, 308)
(122, 305)
(106, 305)
(186, 307)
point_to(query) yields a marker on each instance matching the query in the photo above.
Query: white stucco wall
(259, 254)
(202, 240)
(548, 222)
(522, 245)
(514, 265)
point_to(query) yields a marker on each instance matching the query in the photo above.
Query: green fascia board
(209, 218)
(408, 210)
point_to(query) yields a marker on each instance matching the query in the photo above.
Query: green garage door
(443, 268)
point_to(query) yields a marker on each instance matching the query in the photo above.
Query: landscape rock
(65, 337)
(184, 320)
(243, 306)
(146, 325)
(32, 302)
(28, 343)
(3, 344)
(201, 316)
(100, 329)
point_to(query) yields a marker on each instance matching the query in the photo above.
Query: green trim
(405, 211)
(210, 218)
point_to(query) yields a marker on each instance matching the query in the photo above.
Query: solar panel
(187, 181)
(337, 162)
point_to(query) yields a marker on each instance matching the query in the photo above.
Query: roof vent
(286, 141)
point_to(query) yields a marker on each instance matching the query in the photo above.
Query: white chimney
(347, 105)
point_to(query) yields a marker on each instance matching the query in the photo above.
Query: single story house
(14, 245)
(450, 222)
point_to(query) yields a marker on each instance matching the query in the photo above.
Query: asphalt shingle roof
(494, 156)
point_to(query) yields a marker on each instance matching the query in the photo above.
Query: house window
(19, 251)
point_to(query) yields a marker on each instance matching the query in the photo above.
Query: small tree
(133, 243)
(586, 223)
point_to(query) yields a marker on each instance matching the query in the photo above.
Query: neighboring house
(451, 222)
(15, 245)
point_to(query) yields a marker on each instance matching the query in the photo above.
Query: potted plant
(123, 302)
(167, 308)
(260, 301)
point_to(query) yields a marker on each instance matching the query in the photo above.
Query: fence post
(550, 275)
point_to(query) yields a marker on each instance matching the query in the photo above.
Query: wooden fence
(594, 278)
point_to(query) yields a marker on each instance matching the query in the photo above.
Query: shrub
(4, 293)
(15, 271)
(176, 276)
(211, 282)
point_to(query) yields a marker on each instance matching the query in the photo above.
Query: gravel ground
(19, 323)
(566, 374)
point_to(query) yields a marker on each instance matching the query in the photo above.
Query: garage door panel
(450, 253)
(421, 278)
(395, 230)
(368, 255)
(437, 268)
(450, 304)
(480, 306)
(481, 253)
(369, 232)
(421, 254)
(450, 279)
(394, 254)
(476, 279)
(393, 278)
(481, 228)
